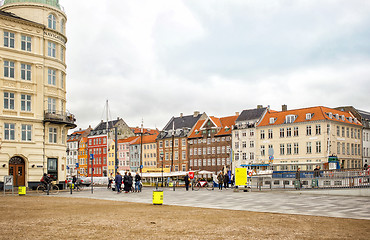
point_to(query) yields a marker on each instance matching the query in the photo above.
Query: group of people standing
(127, 181)
(224, 179)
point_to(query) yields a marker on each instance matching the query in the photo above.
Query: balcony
(57, 117)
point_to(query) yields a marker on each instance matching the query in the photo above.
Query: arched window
(62, 26)
(51, 21)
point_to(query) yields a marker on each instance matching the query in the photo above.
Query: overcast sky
(157, 59)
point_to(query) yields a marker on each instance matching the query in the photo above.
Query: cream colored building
(33, 120)
(307, 137)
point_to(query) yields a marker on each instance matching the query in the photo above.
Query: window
(347, 130)
(52, 135)
(262, 150)
(183, 155)
(51, 105)
(9, 69)
(8, 100)
(262, 134)
(251, 133)
(270, 134)
(343, 132)
(295, 132)
(308, 116)
(288, 148)
(343, 148)
(282, 131)
(272, 120)
(308, 130)
(296, 148)
(25, 102)
(289, 132)
(62, 54)
(318, 129)
(244, 156)
(9, 131)
(62, 25)
(318, 147)
(282, 149)
(26, 72)
(251, 155)
(51, 22)
(290, 118)
(26, 132)
(309, 147)
(9, 39)
(251, 144)
(338, 130)
(26, 43)
(51, 49)
(51, 77)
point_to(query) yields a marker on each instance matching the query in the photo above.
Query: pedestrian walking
(137, 182)
(118, 180)
(187, 181)
(220, 179)
(298, 179)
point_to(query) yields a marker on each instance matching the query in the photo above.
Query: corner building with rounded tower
(34, 121)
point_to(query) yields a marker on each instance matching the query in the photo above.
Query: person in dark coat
(226, 180)
(118, 180)
(129, 182)
(125, 181)
(187, 181)
(220, 179)
(137, 182)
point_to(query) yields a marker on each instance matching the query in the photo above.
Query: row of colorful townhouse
(258, 138)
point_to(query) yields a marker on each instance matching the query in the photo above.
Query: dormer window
(308, 116)
(331, 115)
(337, 116)
(343, 118)
(272, 120)
(355, 120)
(350, 119)
(290, 118)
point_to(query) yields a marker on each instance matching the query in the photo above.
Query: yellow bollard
(157, 197)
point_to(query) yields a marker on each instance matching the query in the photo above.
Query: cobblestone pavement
(290, 202)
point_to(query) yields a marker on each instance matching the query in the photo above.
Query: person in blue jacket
(118, 180)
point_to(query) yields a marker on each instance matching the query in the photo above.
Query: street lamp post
(161, 156)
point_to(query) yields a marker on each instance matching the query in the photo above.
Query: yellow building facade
(33, 118)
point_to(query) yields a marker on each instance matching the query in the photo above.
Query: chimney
(181, 115)
(237, 113)
(259, 106)
(284, 108)
(80, 129)
(196, 113)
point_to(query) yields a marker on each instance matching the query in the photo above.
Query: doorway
(17, 170)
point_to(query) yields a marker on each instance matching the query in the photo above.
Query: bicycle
(42, 188)
(203, 184)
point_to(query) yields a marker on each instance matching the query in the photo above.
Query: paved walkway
(290, 202)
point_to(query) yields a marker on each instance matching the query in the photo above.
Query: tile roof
(130, 139)
(137, 130)
(223, 125)
(317, 113)
(146, 139)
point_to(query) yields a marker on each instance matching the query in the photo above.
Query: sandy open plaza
(184, 215)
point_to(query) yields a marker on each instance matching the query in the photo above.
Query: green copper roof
(53, 3)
